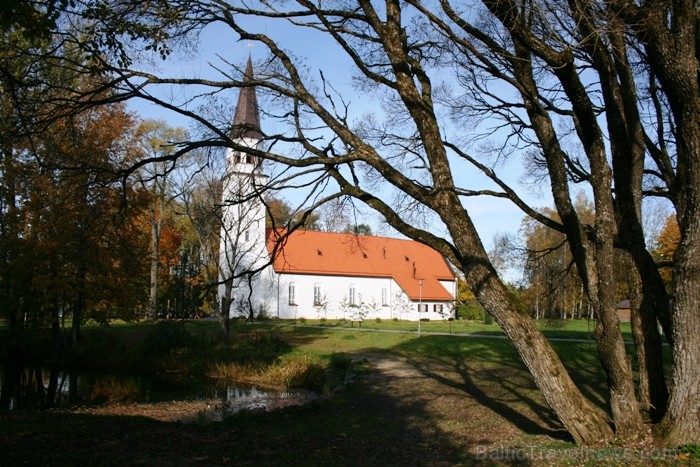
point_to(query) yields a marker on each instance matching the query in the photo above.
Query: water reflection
(41, 388)
(233, 399)
(30, 388)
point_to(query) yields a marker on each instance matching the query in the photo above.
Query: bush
(470, 310)
(396, 320)
(378, 319)
(262, 313)
(302, 320)
(323, 321)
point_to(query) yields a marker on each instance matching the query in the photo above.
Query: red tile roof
(342, 254)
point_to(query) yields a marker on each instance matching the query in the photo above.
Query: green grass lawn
(433, 400)
(570, 329)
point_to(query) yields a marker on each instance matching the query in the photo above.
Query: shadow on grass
(364, 424)
(490, 373)
(430, 401)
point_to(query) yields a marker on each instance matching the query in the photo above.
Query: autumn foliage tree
(665, 250)
(68, 244)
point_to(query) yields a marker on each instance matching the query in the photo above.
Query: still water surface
(40, 388)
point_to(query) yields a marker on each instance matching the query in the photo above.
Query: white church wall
(331, 297)
(335, 297)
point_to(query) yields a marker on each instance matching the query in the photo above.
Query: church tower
(242, 248)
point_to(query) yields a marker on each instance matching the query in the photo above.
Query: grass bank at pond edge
(437, 400)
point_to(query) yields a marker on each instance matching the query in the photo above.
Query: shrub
(378, 319)
(302, 320)
(470, 310)
(396, 320)
(262, 313)
(323, 321)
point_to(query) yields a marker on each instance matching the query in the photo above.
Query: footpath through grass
(433, 400)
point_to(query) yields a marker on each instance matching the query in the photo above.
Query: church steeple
(243, 248)
(246, 120)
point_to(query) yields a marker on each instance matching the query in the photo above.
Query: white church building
(311, 274)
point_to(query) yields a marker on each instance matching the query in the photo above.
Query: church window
(318, 295)
(352, 295)
(437, 308)
(246, 235)
(422, 308)
(292, 293)
(385, 296)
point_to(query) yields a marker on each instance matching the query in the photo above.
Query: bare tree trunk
(155, 258)
(681, 424)
(226, 302)
(79, 297)
(584, 422)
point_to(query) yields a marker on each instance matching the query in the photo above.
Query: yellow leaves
(666, 246)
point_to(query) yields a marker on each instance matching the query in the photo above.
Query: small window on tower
(246, 235)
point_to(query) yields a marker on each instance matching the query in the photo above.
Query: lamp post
(420, 302)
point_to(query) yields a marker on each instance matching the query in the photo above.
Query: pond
(41, 388)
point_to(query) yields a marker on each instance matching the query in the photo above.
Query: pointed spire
(246, 121)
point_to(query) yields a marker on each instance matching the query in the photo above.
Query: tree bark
(586, 424)
(673, 59)
(681, 424)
